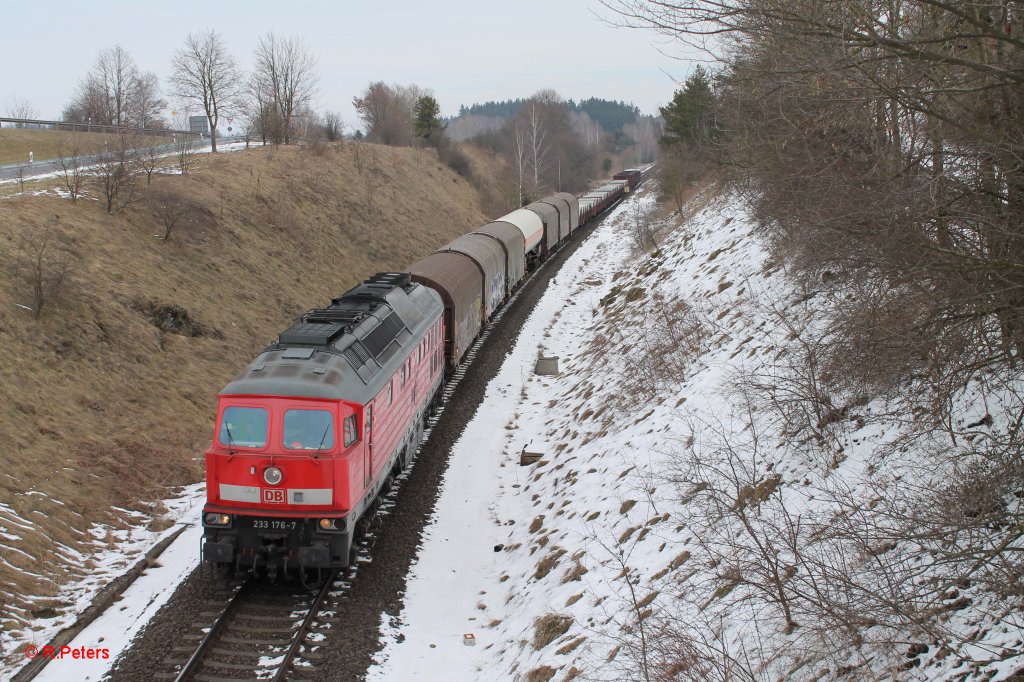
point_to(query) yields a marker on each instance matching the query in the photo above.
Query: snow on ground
(465, 580)
(169, 169)
(527, 563)
(521, 572)
(115, 628)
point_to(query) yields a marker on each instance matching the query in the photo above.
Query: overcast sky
(466, 51)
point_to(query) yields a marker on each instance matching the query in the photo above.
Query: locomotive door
(368, 450)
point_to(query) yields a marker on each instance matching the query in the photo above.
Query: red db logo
(273, 496)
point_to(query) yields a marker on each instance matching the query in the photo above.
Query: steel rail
(196, 659)
(304, 628)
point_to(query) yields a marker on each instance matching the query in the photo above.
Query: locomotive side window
(351, 435)
(244, 427)
(308, 430)
(391, 391)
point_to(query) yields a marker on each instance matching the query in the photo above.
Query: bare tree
(554, 156)
(467, 126)
(643, 228)
(375, 110)
(334, 126)
(587, 128)
(20, 108)
(69, 162)
(519, 155)
(678, 171)
(260, 115)
(537, 139)
(645, 138)
(170, 208)
(44, 264)
(116, 76)
(315, 133)
(147, 155)
(146, 108)
(116, 93)
(114, 175)
(206, 75)
(387, 112)
(286, 67)
(185, 150)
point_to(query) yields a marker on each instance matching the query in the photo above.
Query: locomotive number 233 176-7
(273, 524)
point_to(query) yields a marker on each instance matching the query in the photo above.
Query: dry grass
(104, 408)
(16, 143)
(541, 674)
(576, 572)
(548, 628)
(571, 646)
(545, 565)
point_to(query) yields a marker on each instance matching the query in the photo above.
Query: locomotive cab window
(351, 434)
(308, 430)
(243, 427)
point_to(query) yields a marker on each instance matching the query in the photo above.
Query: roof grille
(357, 354)
(393, 324)
(388, 352)
(395, 279)
(311, 333)
(343, 316)
(383, 334)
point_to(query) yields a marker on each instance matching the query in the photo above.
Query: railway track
(357, 604)
(262, 633)
(269, 632)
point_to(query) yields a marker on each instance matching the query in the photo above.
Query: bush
(454, 158)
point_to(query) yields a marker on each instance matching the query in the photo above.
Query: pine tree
(428, 120)
(688, 117)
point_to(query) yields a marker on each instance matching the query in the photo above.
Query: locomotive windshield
(308, 430)
(244, 427)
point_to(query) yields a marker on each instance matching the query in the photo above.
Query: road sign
(198, 124)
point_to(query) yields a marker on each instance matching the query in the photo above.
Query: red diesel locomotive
(309, 433)
(312, 430)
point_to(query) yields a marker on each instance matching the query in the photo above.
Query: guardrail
(90, 127)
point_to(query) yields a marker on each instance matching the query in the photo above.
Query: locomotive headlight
(327, 524)
(213, 519)
(272, 475)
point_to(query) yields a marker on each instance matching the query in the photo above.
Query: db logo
(273, 495)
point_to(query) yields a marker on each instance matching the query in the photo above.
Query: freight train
(313, 430)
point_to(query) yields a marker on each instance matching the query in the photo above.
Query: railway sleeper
(223, 665)
(219, 678)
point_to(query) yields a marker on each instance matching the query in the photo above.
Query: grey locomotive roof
(348, 349)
